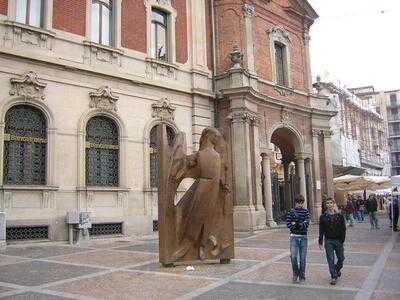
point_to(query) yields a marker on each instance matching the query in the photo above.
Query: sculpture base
(247, 218)
(224, 261)
(168, 265)
(271, 224)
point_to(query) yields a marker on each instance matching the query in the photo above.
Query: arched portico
(285, 170)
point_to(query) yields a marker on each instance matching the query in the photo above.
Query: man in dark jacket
(332, 229)
(298, 219)
(372, 206)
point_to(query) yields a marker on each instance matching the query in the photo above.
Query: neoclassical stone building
(84, 82)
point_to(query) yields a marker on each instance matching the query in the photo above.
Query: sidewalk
(129, 269)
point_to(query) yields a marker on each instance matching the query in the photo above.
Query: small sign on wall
(318, 184)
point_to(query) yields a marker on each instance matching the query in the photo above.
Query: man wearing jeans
(298, 219)
(332, 229)
(372, 206)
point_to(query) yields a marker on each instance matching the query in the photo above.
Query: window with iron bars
(25, 146)
(153, 153)
(102, 152)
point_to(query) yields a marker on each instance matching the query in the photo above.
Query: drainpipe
(214, 62)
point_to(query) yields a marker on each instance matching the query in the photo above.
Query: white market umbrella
(354, 183)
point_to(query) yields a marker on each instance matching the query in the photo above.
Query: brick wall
(3, 7)
(181, 31)
(133, 25)
(70, 16)
(229, 33)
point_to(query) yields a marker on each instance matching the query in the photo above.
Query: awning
(356, 183)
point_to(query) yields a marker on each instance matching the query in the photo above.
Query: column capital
(248, 10)
(327, 133)
(244, 116)
(266, 153)
(316, 132)
(302, 156)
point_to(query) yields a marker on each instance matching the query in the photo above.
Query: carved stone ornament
(316, 132)
(28, 86)
(279, 34)
(282, 91)
(163, 2)
(248, 10)
(236, 57)
(163, 110)
(244, 116)
(103, 98)
(286, 116)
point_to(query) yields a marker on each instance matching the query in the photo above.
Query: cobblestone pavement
(129, 269)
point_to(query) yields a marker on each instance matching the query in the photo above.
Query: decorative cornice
(327, 133)
(103, 98)
(248, 10)
(163, 110)
(28, 86)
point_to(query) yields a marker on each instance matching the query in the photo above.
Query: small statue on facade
(200, 225)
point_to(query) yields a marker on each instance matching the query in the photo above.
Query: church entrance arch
(288, 170)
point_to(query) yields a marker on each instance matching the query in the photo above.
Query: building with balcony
(85, 82)
(359, 132)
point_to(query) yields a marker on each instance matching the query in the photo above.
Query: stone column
(328, 162)
(246, 217)
(2, 230)
(266, 167)
(302, 177)
(248, 11)
(317, 175)
(198, 34)
(286, 191)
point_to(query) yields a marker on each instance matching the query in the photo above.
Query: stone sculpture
(199, 226)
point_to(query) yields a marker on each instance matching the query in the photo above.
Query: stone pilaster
(201, 118)
(306, 39)
(328, 162)
(248, 11)
(198, 34)
(248, 212)
(317, 176)
(266, 167)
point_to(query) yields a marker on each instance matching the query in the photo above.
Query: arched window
(153, 153)
(102, 152)
(25, 146)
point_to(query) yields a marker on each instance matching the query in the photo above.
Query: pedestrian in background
(372, 206)
(298, 220)
(332, 234)
(394, 210)
(361, 207)
(349, 211)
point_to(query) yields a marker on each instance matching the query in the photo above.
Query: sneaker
(333, 281)
(339, 274)
(294, 279)
(302, 280)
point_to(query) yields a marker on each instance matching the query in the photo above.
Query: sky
(357, 42)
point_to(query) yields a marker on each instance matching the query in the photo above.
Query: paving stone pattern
(129, 269)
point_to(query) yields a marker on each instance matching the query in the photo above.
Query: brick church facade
(85, 82)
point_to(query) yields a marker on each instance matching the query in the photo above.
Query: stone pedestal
(2, 230)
